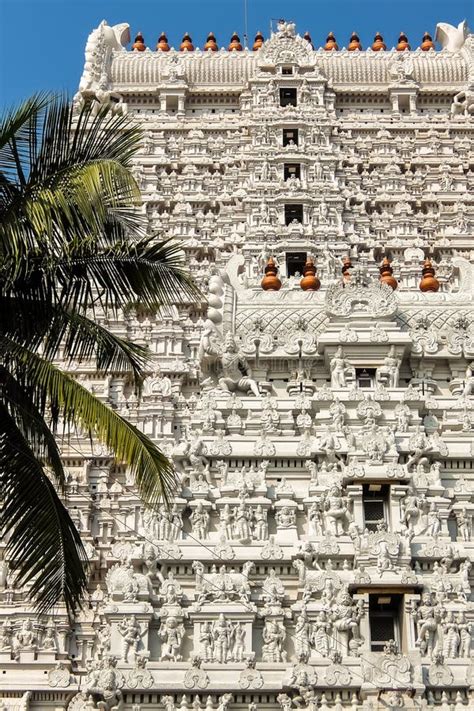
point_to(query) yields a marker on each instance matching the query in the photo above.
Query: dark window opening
(293, 212)
(287, 97)
(375, 500)
(295, 262)
(290, 137)
(365, 377)
(287, 70)
(291, 170)
(384, 618)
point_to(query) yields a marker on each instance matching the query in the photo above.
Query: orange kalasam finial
(186, 43)
(258, 41)
(310, 282)
(428, 280)
(331, 43)
(271, 280)
(354, 43)
(427, 42)
(211, 43)
(386, 274)
(162, 43)
(403, 44)
(139, 44)
(378, 44)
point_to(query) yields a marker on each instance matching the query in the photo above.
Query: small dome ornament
(428, 280)
(427, 42)
(331, 43)
(211, 43)
(354, 43)
(378, 44)
(310, 282)
(346, 266)
(258, 41)
(386, 274)
(162, 43)
(403, 44)
(235, 45)
(271, 280)
(186, 43)
(308, 39)
(139, 43)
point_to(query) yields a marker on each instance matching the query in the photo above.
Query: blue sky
(43, 40)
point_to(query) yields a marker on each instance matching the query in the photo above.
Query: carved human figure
(336, 511)
(285, 517)
(273, 590)
(465, 635)
(274, 635)
(302, 635)
(337, 411)
(242, 522)
(420, 447)
(200, 521)
(227, 522)
(171, 633)
(321, 634)
(390, 369)
(24, 639)
(260, 523)
(340, 369)
(222, 632)
(236, 373)
(451, 636)
(345, 617)
(131, 633)
(411, 509)
(315, 519)
(238, 651)
(427, 617)
(463, 522)
(206, 641)
(434, 521)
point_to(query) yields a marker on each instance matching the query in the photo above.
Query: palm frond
(43, 545)
(155, 477)
(22, 409)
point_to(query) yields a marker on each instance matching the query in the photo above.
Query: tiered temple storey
(319, 409)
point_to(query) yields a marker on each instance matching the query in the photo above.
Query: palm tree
(72, 241)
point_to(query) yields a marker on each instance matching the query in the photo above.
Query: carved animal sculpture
(450, 37)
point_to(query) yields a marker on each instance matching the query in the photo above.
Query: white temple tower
(319, 408)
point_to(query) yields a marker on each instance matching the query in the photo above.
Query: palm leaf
(155, 477)
(43, 545)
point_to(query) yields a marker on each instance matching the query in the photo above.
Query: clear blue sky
(43, 41)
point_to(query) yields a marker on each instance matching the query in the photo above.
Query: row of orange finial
(236, 46)
(310, 281)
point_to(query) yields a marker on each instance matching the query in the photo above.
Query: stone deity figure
(131, 633)
(321, 634)
(465, 635)
(223, 636)
(336, 511)
(206, 641)
(171, 634)
(345, 616)
(340, 368)
(411, 509)
(24, 639)
(260, 523)
(302, 635)
(200, 521)
(469, 381)
(390, 369)
(274, 635)
(236, 374)
(427, 617)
